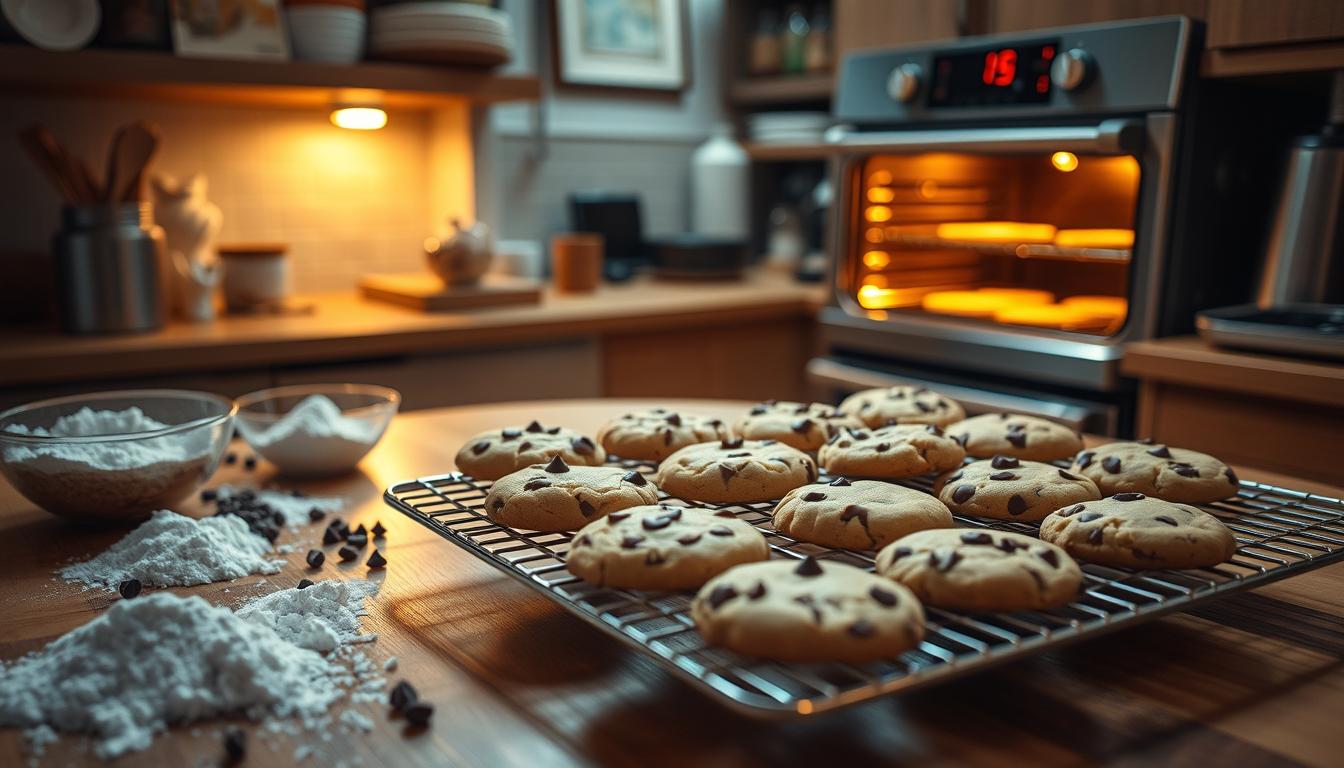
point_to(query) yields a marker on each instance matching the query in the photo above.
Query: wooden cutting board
(426, 293)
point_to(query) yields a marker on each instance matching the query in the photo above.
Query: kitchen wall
(598, 138)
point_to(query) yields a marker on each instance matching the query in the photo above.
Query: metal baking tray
(1280, 532)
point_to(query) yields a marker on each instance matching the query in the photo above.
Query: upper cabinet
(868, 24)
(1238, 23)
(998, 16)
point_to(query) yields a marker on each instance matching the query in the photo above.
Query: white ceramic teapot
(462, 257)
(190, 225)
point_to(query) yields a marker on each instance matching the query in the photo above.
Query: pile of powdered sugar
(315, 436)
(322, 617)
(172, 550)
(159, 660)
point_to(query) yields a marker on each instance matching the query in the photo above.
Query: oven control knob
(903, 83)
(1072, 69)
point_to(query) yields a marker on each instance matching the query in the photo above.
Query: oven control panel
(1113, 67)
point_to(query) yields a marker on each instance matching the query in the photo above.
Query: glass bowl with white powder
(316, 429)
(114, 455)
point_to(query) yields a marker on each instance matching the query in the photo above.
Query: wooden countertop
(345, 327)
(1254, 679)
(1192, 361)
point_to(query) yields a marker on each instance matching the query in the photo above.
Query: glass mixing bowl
(114, 455)
(316, 429)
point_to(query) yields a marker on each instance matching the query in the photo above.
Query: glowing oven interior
(1028, 240)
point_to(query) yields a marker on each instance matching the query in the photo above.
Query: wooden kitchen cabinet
(999, 16)
(867, 24)
(1240, 23)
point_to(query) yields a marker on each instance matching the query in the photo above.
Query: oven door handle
(1109, 137)
(836, 374)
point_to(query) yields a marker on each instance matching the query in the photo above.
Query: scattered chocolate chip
(1160, 452)
(510, 434)
(944, 561)
(1097, 535)
(315, 514)
(1111, 464)
(534, 426)
(731, 444)
(1231, 476)
(1089, 517)
(402, 696)
(479, 448)
(883, 596)
(537, 483)
(583, 446)
(976, 537)
(209, 494)
(801, 425)
(726, 472)
(304, 583)
(358, 540)
(235, 744)
(1185, 470)
(963, 493)
(1049, 556)
(688, 539)
(1071, 511)
(1165, 519)
(376, 560)
(553, 431)
(721, 530)
(1017, 505)
(1084, 459)
(1129, 497)
(654, 558)
(316, 558)
(840, 481)
(586, 509)
(814, 496)
(1018, 439)
(899, 552)
(630, 542)
(347, 553)
(616, 517)
(557, 466)
(268, 531)
(862, 628)
(674, 419)
(809, 567)
(419, 713)
(1004, 462)
(129, 588)
(331, 536)
(720, 595)
(1003, 476)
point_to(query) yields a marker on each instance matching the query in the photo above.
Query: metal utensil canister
(109, 268)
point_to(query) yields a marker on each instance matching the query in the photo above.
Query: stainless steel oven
(1004, 215)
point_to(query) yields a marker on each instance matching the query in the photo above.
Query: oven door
(1033, 253)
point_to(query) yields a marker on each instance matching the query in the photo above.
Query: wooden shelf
(163, 76)
(782, 89)
(1272, 60)
(787, 152)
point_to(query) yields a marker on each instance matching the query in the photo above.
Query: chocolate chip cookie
(805, 426)
(900, 450)
(1132, 530)
(494, 454)
(736, 470)
(662, 547)
(1173, 474)
(981, 570)
(902, 405)
(806, 610)
(558, 497)
(1011, 434)
(1007, 488)
(857, 514)
(655, 434)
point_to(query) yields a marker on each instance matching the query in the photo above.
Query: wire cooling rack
(1280, 532)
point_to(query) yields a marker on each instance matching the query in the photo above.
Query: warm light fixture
(358, 118)
(996, 231)
(876, 259)
(1095, 238)
(1064, 161)
(878, 214)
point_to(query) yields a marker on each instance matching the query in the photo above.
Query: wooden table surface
(1255, 679)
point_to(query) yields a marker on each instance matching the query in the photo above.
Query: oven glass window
(1041, 241)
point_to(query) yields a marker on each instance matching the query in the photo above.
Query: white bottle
(720, 180)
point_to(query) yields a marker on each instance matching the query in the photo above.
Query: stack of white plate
(788, 127)
(446, 32)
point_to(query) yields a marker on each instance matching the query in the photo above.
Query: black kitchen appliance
(615, 216)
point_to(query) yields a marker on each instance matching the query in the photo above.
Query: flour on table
(172, 550)
(320, 618)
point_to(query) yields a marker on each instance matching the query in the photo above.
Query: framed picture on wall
(622, 43)
(229, 29)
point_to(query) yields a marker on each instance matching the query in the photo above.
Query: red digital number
(1000, 67)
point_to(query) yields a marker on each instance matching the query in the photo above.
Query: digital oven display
(1018, 74)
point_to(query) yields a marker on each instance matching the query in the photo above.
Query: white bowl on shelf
(327, 33)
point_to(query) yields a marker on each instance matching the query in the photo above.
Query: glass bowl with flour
(316, 429)
(114, 455)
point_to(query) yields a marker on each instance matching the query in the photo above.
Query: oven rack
(1280, 532)
(1020, 250)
